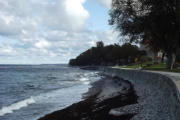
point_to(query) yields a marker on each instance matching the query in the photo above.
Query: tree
(155, 21)
(107, 55)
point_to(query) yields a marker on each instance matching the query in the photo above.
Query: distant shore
(99, 102)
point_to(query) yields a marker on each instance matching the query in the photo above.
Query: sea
(28, 92)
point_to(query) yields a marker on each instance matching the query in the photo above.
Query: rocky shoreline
(107, 99)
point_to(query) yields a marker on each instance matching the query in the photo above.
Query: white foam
(84, 79)
(86, 83)
(16, 106)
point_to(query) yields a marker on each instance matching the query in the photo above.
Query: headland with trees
(108, 55)
(153, 23)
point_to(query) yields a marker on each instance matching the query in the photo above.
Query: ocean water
(28, 92)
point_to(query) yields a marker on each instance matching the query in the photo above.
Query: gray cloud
(46, 31)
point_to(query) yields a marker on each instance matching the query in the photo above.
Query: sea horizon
(34, 64)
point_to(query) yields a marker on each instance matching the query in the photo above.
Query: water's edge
(164, 86)
(102, 97)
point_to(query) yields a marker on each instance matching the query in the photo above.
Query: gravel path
(154, 106)
(152, 100)
(151, 105)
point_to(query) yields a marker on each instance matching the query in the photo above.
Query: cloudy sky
(51, 31)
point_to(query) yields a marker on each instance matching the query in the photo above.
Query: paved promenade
(174, 76)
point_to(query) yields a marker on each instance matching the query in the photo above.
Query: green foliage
(137, 65)
(107, 55)
(151, 66)
(153, 22)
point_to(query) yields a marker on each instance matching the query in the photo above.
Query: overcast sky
(51, 31)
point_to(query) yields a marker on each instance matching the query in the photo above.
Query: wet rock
(104, 96)
(129, 109)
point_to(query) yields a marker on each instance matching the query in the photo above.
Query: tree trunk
(169, 56)
(162, 59)
(155, 57)
(171, 60)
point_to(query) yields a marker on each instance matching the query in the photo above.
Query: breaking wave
(16, 106)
